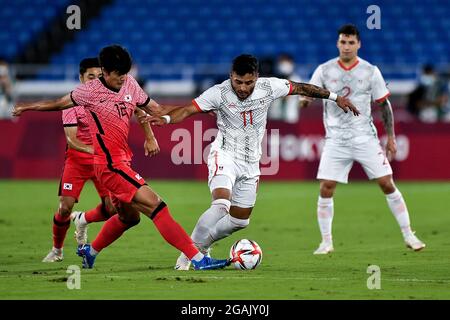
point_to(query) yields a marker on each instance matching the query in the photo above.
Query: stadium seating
(196, 32)
(21, 20)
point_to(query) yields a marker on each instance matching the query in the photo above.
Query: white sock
(199, 256)
(226, 226)
(219, 208)
(325, 212)
(399, 210)
(83, 219)
(93, 252)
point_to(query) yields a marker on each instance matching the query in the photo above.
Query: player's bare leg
(398, 208)
(325, 213)
(61, 223)
(81, 219)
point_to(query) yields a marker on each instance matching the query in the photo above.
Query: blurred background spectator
(6, 90)
(429, 100)
(286, 109)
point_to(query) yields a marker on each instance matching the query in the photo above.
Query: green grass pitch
(140, 264)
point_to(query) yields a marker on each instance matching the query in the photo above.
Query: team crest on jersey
(127, 98)
(67, 186)
(231, 106)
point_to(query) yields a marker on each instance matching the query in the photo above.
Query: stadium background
(179, 47)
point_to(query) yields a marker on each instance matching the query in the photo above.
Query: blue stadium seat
(195, 32)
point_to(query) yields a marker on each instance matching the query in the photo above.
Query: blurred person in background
(428, 101)
(446, 108)
(287, 108)
(6, 90)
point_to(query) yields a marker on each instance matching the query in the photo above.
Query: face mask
(285, 68)
(427, 80)
(3, 71)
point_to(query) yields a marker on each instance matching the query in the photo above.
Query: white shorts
(337, 160)
(241, 178)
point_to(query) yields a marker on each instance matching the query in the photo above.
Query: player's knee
(108, 209)
(65, 209)
(388, 188)
(387, 185)
(327, 189)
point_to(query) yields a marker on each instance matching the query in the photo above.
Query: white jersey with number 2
(362, 83)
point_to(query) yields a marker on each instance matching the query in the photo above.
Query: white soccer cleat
(55, 255)
(80, 228)
(414, 243)
(325, 247)
(183, 263)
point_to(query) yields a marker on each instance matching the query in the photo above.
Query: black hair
(349, 30)
(115, 58)
(244, 64)
(88, 63)
(428, 68)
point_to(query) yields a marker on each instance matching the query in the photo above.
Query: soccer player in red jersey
(109, 103)
(78, 168)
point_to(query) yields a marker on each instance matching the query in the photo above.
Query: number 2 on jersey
(244, 117)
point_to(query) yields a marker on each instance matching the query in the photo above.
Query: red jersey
(76, 117)
(109, 112)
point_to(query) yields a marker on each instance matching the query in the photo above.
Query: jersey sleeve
(379, 90)
(142, 98)
(69, 117)
(81, 96)
(316, 78)
(208, 100)
(281, 87)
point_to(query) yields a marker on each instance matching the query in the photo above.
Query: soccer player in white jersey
(350, 139)
(241, 104)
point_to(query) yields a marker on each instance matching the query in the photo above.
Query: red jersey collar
(350, 67)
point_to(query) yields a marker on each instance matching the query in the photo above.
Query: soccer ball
(245, 254)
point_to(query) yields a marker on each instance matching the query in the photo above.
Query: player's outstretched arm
(387, 116)
(151, 146)
(175, 116)
(74, 142)
(310, 90)
(47, 105)
(154, 109)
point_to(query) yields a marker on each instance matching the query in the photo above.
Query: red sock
(172, 232)
(60, 226)
(97, 214)
(110, 232)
